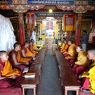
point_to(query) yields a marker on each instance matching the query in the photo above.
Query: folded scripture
(29, 75)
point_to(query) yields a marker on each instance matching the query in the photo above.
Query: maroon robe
(20, 66)
(78, 69)
(9, 86)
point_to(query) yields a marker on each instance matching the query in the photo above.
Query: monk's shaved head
(16, 44)
(3, 56)
(91, 51)
(2, 52)
(91, 54)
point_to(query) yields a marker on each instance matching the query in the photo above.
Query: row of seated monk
(13, 64)
(82, 64)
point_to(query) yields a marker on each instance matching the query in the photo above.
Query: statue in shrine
(7, 37)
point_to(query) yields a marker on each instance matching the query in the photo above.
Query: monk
(6, 69)
(66, 46)
(82, 62)
(10, 77)
(33, 47)
(71, 53)
(17, 59)
(62, 48)
(59, 44)
(89, 75)
(26, 51)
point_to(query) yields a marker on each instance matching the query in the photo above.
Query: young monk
(89, 75)
(26, 51)
(9, 77)
(6, 69)
(17, 59)
(82, 62)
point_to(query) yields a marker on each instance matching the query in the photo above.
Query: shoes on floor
(86, 91)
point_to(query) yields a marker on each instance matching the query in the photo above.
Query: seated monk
(62, 47)
(65, 49)
(10, 78)
(6, 69)
(82, 62)
(89, 75)
(17, 59)
(33, 47)
(59, 44)
(26, 51)
(71, 53)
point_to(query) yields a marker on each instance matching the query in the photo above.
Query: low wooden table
(68, 79)
(30, 83)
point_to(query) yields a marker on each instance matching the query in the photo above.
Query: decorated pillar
(78, 29)
(21, 29)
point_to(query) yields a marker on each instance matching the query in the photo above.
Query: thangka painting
(69, 22)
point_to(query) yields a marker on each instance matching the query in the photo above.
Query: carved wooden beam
(75, 7)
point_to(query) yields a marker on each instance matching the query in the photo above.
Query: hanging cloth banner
(69, 22)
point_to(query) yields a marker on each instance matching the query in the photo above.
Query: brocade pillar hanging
(21, 29)
(78, 30)
(33, 20)
(30, 21)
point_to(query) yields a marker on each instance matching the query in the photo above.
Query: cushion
(4, 83)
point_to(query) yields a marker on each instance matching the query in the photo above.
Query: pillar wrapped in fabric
(78, 30)
(21, 29)
(21, 34)
(78, 33)
(69, 22)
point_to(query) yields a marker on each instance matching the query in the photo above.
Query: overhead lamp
(50, 10)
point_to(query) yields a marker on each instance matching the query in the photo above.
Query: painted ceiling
(54, 1)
